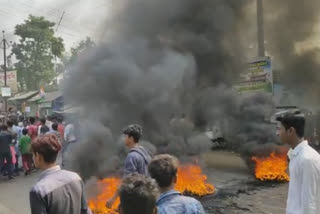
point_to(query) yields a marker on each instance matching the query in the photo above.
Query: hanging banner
(11, 80)
(6, 92)
(258, 77)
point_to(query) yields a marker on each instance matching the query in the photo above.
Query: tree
(82, 47)
(36, 51)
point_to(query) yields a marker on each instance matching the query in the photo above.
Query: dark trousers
(8, 166)
(16, 167)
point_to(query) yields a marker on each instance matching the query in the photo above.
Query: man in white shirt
(304, 167)
(69, 134)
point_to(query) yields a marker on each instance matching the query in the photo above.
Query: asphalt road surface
(14, 194)
(237, 191)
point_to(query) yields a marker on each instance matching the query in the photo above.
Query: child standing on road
(24, 146)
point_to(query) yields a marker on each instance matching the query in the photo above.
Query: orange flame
(98, 204)
(190, 180)
(272, 168)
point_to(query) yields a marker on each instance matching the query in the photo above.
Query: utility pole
(4, 42)
(260, 27)
(58, 25)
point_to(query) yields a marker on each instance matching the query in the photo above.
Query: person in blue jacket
(138, 158)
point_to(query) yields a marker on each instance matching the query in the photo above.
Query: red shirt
(33, 131)
(61, 130)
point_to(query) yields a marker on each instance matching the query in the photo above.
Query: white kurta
(304, 186)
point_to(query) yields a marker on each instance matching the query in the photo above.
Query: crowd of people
(17, 135)
(148, 184)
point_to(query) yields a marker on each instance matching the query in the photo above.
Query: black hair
(24, 131)
(136, 136)
(54, 126)
(296, 121)
(134, 131)
(138, 194)
(43, 120)
(163, 168)
(4, 127)
(32, 120)
(10, 123)
(59, 119)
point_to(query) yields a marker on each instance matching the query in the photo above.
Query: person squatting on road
(138, 194)
(138, 157)
(164, 168)
(304, 166)
(57, 190)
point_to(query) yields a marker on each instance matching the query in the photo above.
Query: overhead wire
(52, 14)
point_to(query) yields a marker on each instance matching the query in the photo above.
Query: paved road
(241, 193)
(14, 195)
(224, 169)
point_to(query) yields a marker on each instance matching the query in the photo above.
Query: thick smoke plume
(292, 32)
(159, 59)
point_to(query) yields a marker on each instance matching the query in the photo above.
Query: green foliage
(36, 51)
(83, 46)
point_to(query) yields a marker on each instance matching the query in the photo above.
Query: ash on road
(237, 191)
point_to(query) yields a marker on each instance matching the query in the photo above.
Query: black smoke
(164, 58)
(291, 34)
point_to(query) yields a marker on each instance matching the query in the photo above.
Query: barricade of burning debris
(273, 167)
(191, 181)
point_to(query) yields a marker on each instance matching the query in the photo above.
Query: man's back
(5, 142)
(137, 161)
(69, 135)
(44, 129)
(58, 191)
(304, 189)
(173, 202)
(25, 144)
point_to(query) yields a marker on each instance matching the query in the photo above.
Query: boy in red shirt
(32, 129)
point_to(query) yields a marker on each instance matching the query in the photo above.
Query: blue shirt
(137, 161)
(173, 202)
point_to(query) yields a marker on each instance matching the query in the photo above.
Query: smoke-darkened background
(292, 33)
(165, 58)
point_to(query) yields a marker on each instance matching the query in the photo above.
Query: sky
(82, 18)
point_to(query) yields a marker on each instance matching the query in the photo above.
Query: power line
(69, 31)
(67, 28)
(60, 20)
(53, 18)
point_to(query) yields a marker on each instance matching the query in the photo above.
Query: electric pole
(58, 25)
(5, 43)
(260, 27)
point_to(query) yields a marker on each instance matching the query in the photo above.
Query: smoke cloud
(292, 28)
(159, 59)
